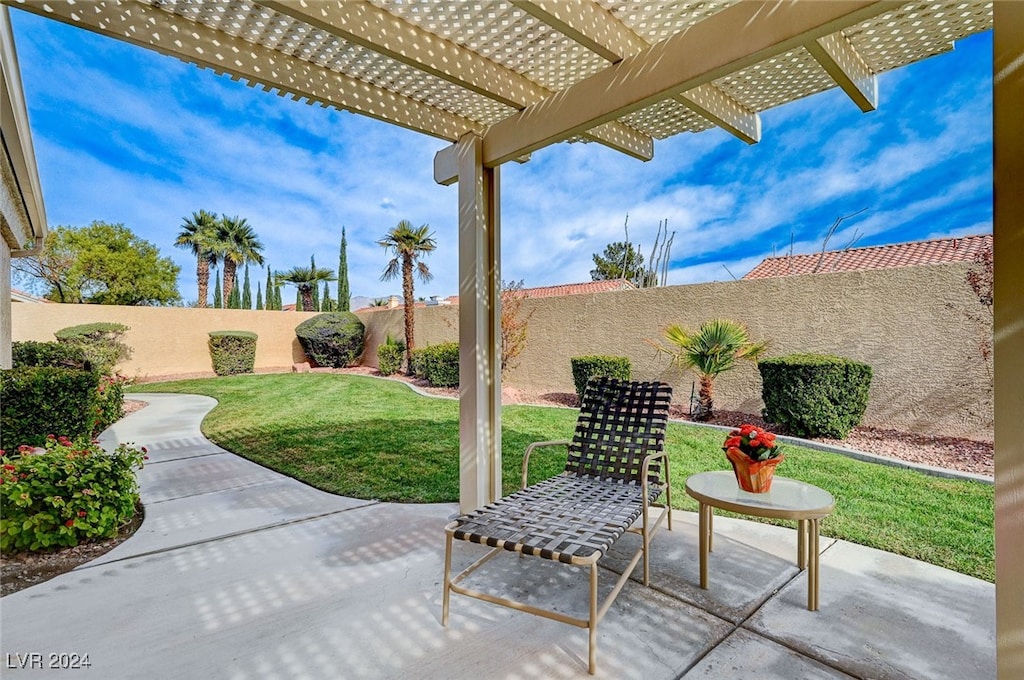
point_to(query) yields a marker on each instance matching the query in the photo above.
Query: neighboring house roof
(22, 296)
(571, 289)
(539, 292)
(933, 251)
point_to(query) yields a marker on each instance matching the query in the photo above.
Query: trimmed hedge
(334, 339)
(814, 395)
(389, 356)
(42, 400)
(416, 363)
(101, 342)
(57, 354)
(587, 366)
(439, 364)
(232, 352)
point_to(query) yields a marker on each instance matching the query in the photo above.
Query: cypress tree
(246, 290)
(235, 299)
(343, 292)
(326, 303)
(218, 302)
(277, 297)
(269, 287)
(259, 296)
(316, 288)
(298, 300)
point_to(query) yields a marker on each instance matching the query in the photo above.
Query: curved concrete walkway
(239, 572)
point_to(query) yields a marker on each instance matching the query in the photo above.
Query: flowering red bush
(72, 490)
(755, 443)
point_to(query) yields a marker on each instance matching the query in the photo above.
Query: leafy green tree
(102, 263)
(259, 296)
(717, 346)
(236, 244)
(620, 260)
(198, 235)
(344, 296)
(218, 302)
(408, 244)
(305, 280)
(246, 290)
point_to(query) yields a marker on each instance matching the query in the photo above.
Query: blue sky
(123, 134)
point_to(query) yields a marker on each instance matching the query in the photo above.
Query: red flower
(8, 466)
(82, 513)
(733, 442)
(69, 523)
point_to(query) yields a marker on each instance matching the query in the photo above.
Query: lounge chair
(616, 468)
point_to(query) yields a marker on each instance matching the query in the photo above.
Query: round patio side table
(788, 499)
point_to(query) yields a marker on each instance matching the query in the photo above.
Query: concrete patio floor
(239, 572)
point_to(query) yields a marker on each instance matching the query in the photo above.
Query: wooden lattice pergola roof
(448, 67)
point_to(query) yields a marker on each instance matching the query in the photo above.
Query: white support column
(479, 328)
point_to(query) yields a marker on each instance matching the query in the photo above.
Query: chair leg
(592, 624)
(447, 578)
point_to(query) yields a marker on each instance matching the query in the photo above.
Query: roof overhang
(22, 217)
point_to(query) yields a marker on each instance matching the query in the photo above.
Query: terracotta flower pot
(754, 476)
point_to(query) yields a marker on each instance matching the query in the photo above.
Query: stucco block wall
(912, 325)
(918, 327)
(170, 341)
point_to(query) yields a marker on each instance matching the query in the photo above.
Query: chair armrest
(643, 472)
(537, 445)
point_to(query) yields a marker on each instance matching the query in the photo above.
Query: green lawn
(369, 438)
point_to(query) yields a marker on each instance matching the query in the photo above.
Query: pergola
(499, 79)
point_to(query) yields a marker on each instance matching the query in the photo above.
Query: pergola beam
(598, 30)
(375, 29)
(147, 26)
(728, 41)
(843, 63)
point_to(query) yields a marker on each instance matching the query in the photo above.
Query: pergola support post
(479, 327)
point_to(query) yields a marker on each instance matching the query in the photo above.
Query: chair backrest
(620, 423)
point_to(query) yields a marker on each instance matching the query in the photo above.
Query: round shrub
(232, 352)
(101, 342)
(439, 364)
(814, 395)
(588, 366)
(334, 339)
(389, 356)
(72, 491)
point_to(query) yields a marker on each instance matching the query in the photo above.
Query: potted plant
(753, 453)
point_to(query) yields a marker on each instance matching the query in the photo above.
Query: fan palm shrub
(717, 346)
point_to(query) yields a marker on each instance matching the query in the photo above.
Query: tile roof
(570, 289)
(910, 254)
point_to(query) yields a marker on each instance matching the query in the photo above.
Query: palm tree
(305, 279)
(198, 235)
(237, 244)
(716, 347)
(408, 244)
